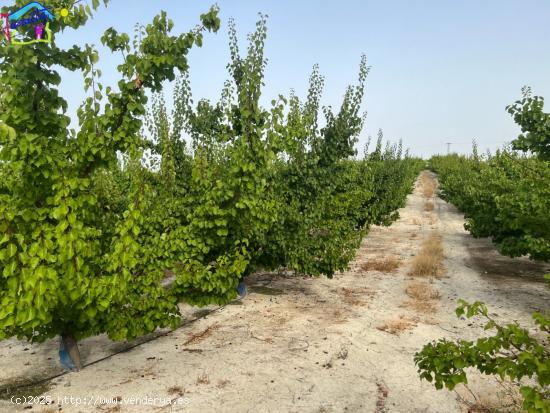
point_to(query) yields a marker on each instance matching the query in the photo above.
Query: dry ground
(311, 345)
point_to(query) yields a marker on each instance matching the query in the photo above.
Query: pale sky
(442, 71)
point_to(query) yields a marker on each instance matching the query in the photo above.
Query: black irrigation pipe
(124, 350)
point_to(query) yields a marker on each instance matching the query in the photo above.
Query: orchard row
(97, 237)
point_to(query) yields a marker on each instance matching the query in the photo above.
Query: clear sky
(442, 71)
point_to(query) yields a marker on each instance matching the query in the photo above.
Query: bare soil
(298, 344)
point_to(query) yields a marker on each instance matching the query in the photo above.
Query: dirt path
(305, 345)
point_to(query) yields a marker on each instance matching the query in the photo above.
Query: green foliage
(315, 185)
(208, 205)
(70, 263)
(325, 200)
(505, 197)
(305, 205)
(108, 228)
(393, 174)
(511, 352)
(535, 124)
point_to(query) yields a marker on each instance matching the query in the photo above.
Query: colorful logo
(32, 13)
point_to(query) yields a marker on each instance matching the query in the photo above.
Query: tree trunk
(69, 353)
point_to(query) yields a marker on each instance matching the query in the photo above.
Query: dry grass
(507, 399)
(196, 337)
(428, 185)
(423, 297)
(176, 390)
(388, 264)
(416, 221)
(222, 383)
(429, 206)
(422, 307)
(422, 291)
(339, 316)
(480, 408)
(382, 396)
(398, 325)
(426, 265)
(203, 379)
(429, 260)
(356, 296)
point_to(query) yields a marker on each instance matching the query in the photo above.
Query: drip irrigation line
(124, 350)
